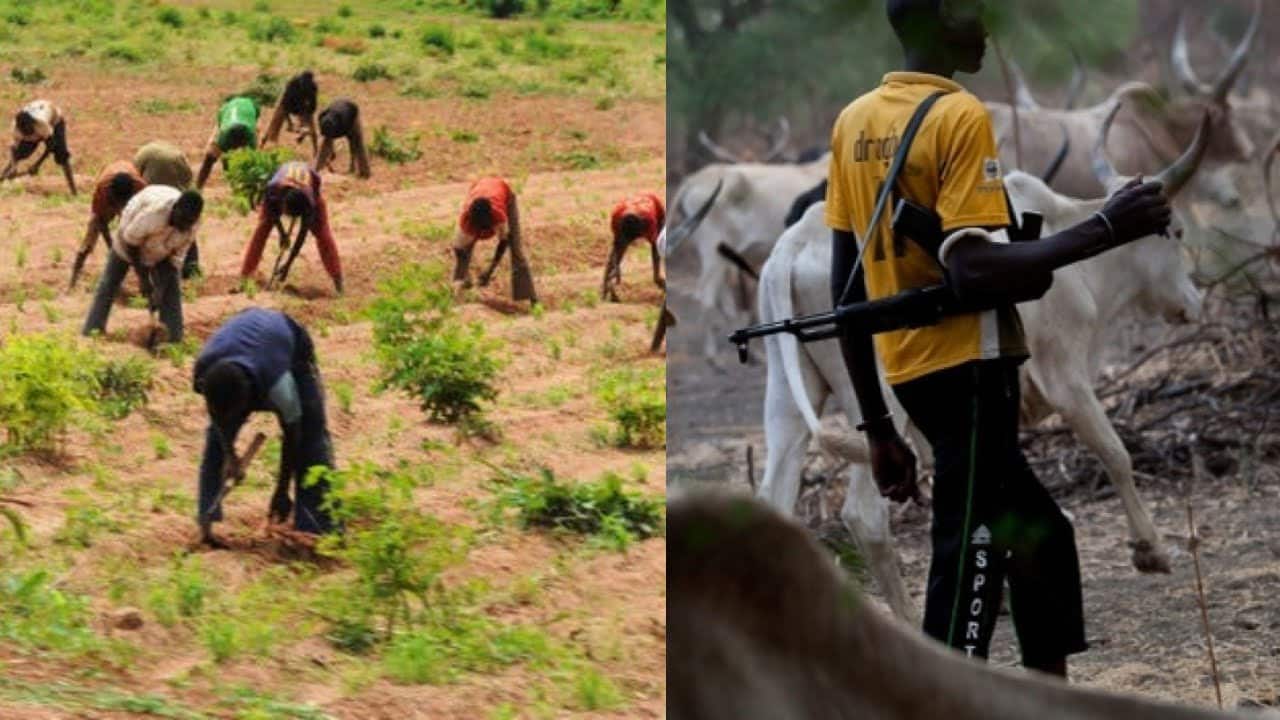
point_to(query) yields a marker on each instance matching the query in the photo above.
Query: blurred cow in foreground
(1065, 330)
(760, 625)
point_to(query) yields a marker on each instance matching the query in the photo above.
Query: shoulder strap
(890, 180)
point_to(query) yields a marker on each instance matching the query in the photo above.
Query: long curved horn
(1182, 60)
(1102, 167)
(1052, 171)
(1176, 175)
(1273, 149)
(1222, 87)
(681, 232)
(1078, 79)
(716, 151)
(784, 136)
(1021, 93)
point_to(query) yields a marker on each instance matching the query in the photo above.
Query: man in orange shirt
(114, 187)
(636, 217)
(958, 379)
(490, 210)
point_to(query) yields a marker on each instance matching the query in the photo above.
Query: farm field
(492, 617)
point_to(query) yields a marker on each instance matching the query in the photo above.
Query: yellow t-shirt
(952, 167)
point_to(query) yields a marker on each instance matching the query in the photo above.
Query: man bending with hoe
(640, 216)
(39, 122)
(115, 186)
(236, 127)
(490, 210)
(262, 360)
(341, 120)
(156, 228)
(958, 379)
(293, 191)
(297, 105)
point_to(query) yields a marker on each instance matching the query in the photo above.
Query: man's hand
(281, 505)
(1137, 210)
(892, 463)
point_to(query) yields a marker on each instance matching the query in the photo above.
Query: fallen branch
(1193, 544)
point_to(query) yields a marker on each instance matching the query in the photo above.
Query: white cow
(748, 217)
(1065, 331)
(760, 626)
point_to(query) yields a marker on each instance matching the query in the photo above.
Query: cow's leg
(866, 515)
(1084, 413)
(786, 435)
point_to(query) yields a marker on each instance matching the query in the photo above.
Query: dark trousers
(316, 449)
(992, 520)
(165, 278)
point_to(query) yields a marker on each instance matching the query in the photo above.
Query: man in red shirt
(640, 216)
(294, 191)
(489, 210)
(115, 185)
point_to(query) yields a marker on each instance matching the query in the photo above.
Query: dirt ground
(610, 604)
(1144, 630)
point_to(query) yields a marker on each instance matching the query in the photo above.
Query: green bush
(36, 614)
(170, 16)
(502, 8)
(47, 384)
(370, 71)
(601, 508)
(264, 90)
(438, 39)
(422, 347)
(249, 170)
(27, 76)
(273, 29)
(377, 30)
(636, 399)
(345, 11)
(123, 385)
(396, 151)
(124, 52)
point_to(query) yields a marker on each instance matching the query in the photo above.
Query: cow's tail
(776, 303)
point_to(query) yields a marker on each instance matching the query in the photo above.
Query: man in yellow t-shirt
(958, 379)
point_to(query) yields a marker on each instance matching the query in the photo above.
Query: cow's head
(1161, 278)
(778, 141)
(1230, 143)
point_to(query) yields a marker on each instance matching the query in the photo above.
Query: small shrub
(601, 508)
(273, 29)
(123, 386)
(579, 160)
(249, 170)
(474, 90)
(636, 399)
(47, 384)
(594, 691)
(394, 150)
(124, 52)
(438, 40)
(450, 367)
(170, 16)
(34, 613)
(502, 8)
(345, 11)
(264, 90)
(82, 523)
(27, 76)
(370, 71)
(376, 30)
(463, 136)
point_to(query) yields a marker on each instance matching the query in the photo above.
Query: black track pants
(992, 520)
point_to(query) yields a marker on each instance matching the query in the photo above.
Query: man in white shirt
(39, 121)
(156, 229)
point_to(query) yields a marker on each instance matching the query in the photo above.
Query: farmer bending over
(489, 210)
(294, 191)
(958, 379)
(156, 228)
(114, 187)
(261, 360)
(636, 217)
(341, 119)
(39, 122)
(237, 127)
(297, 104)
(164, 164)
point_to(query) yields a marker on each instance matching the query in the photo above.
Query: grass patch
(602, 509)
(394, 150)
(438, 40)
(370, 71)
(35, 614)
(636, 400)
(27, 76)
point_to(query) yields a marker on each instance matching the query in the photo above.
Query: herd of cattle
(1196, 137)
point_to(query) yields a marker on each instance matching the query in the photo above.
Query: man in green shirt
(162, 163)
(237, 127)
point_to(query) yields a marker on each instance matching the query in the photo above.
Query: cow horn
(1102, 167)
(1052, 171)
(1268, 160)
(1222, 88)
(1182, 61)
(1078, 78)
(1176, 175)
(716, 151)
(681, 232)
(784, 136)
(1021, 93)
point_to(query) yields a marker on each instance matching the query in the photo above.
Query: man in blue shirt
(262, 360)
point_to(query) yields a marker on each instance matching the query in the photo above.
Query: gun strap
(890, 180)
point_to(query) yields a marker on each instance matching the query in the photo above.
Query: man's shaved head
(947, 33)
